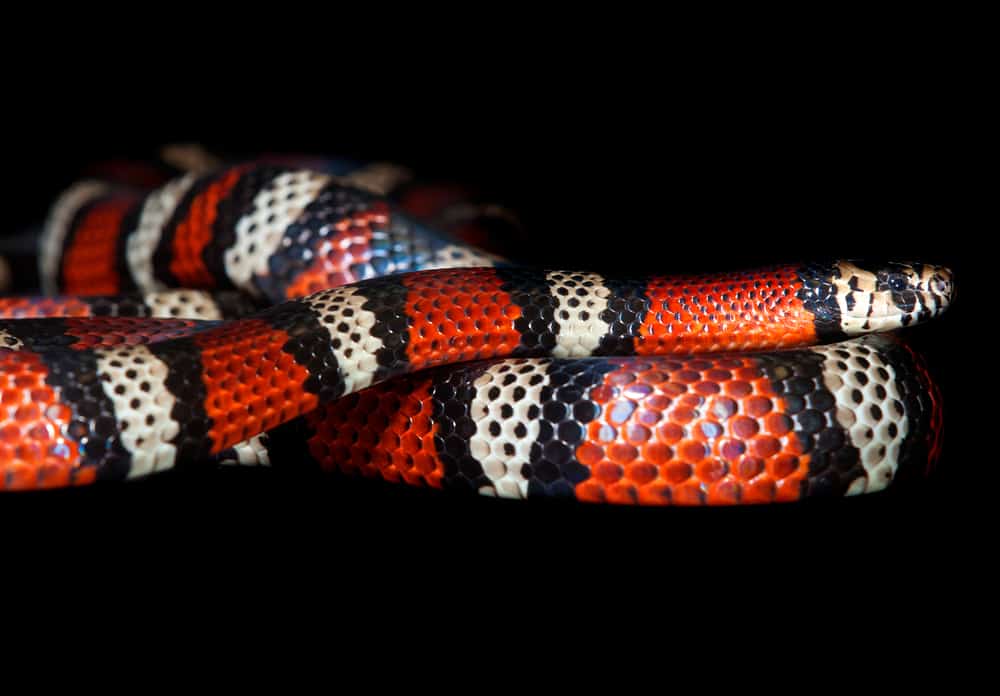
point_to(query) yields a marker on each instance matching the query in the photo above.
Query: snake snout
(926, 291)
(942, 283)
(889, 295)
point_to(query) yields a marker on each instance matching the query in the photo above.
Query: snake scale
(266, 314)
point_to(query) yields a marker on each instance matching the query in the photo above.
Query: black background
(611, 165)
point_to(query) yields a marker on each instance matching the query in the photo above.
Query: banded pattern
(260, 229)
(122, 394)
(212, 386)
(40, 440)
(94, 260)
(167, 304)
(134, 380)
(505, 410)
(746, 428)
(58, 226)
(74, 333)
(581, 312)
(141, 244)
(452, 315)
(267, 230)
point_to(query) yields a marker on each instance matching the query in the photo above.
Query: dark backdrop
(606, 173)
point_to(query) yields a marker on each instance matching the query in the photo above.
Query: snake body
(504, 380)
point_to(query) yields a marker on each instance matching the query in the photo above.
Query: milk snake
(351, 331)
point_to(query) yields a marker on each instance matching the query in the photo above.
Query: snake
(261, 314)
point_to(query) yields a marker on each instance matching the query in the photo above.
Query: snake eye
(897, 282)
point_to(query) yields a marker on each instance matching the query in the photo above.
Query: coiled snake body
(498, 379)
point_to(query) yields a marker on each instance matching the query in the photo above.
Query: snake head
(889, 295)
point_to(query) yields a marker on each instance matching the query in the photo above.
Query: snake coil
(264, 314)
